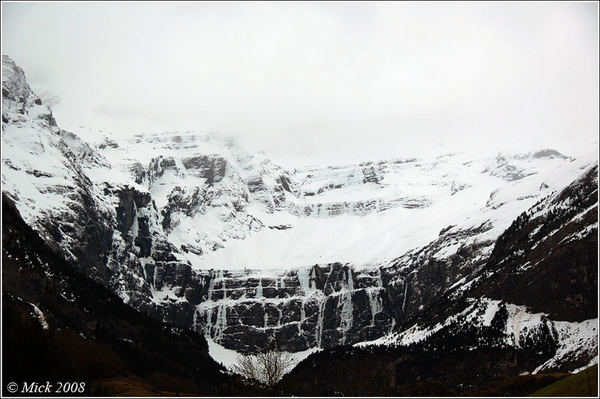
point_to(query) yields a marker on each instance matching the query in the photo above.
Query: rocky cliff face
(59, 325)
(529, 309)
(320, 306)
(547, 259)
(196, 231)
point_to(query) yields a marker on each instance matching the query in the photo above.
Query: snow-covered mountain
(195, 230)
(531, 309)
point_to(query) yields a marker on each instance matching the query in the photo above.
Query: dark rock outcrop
(303, 308)
(548, 258)
(59, 326)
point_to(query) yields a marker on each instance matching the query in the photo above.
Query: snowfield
(366, 214)
(410, 201)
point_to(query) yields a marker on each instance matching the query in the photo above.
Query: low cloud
(358, 80)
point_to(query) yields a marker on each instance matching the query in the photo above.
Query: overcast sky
(338, 80)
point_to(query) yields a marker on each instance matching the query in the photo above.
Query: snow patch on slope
(228, 358)
(574, 339)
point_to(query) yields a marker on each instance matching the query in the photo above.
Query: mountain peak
(19, 101)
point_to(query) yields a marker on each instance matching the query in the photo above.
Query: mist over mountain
(343, 82)
(490, 259)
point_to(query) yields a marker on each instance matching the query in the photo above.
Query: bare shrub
(267, 367)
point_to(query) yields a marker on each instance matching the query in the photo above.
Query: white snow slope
(331, 214)
(365, 214)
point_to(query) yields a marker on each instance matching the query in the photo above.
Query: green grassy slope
(584, 383)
